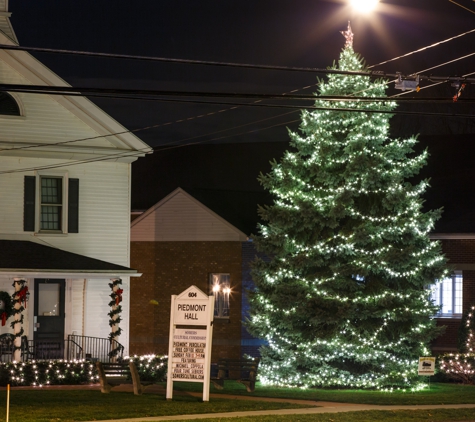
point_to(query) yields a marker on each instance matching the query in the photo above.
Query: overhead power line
(165, 59)
(108, 157)
(150, 94)
(422, 49)
(463, 7)
(371, 73)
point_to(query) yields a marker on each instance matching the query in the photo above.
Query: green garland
(17, 298)
(8, 310)
(115, 319)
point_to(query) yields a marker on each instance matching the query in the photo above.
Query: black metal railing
(74, 347)
(92, 348)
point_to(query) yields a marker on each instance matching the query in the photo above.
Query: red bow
(118, 296)
(22, 295)
(459, 93)
(4, 318)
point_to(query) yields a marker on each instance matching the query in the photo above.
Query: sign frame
(426, 366)
(191, 310)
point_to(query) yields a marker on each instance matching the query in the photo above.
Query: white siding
(46, 121)
(77, 307)
(104, 207)
(97, 307)
(181, 218)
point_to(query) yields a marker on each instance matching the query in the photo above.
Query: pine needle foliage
(343, 299)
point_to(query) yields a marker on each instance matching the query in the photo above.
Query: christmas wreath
(6, 311)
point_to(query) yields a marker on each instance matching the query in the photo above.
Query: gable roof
(181, 217)
(70, 119)
(5, 25)
(28, 259)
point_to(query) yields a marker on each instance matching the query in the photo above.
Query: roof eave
(56, 274)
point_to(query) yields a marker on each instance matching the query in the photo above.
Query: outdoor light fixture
(364, 6)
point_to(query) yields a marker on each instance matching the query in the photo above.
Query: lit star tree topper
(342, 300)
(348, 34)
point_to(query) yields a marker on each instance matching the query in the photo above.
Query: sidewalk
(318, 407)
(325, 408)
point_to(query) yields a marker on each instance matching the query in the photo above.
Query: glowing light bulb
(364, 6)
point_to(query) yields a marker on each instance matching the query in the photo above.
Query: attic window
(8, 105)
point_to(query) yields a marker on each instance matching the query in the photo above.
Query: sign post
(426, 366)
(191, 333)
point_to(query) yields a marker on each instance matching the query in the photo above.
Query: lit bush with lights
(54, 372)
(150, 367)
(460, 366)
(62, 372)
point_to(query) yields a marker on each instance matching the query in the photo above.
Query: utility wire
(463, 7)
(213, 63)
(139, 94)
(212, 113)
(339, 109)
(108, 157)
(165, 60)
(423, 48)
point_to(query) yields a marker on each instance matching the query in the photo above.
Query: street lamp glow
(364, 6)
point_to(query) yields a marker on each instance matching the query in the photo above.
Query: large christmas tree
(343, 299)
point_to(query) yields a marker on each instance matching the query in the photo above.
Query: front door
(49, 319)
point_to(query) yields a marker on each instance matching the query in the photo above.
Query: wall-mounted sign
(189, 349)
(426, 366)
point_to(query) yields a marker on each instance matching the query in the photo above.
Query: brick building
(177, 243)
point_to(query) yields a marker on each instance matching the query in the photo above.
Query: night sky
(292, 33)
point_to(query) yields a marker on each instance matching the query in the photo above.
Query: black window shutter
(29, 204)
(73, 206)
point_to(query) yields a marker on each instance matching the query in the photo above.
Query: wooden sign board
(189, 349)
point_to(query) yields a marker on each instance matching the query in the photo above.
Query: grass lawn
(440, 393)
(81, 405)
(85, 405)
(442, 415)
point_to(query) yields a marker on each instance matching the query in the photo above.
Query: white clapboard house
(65, 177)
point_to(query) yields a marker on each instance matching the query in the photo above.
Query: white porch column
(18, 297)
(114, 314)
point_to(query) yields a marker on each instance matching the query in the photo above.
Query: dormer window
(8, 105)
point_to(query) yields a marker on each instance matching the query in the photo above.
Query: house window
(221, 287)
(51, 204)
(448, 295)
(51, 208)
(8, 105)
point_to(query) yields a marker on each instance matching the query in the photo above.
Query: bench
(114, 374)
(243, 371)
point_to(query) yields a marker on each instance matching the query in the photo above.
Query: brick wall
(169, 268)
(460, 253)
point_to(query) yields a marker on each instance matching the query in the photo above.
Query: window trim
(224, 296)
(60, 174)
(19, 104)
